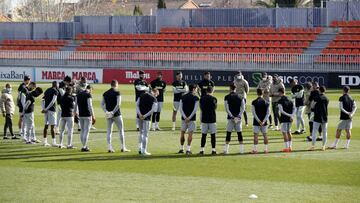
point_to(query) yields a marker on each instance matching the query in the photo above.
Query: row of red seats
(291, 37)
(355, 59)
(34, 42)
(45, 48)
(197, 43)
(350, 31)
(193, 49)
(353, 23)
(342, 37)
(205, 44)
(241, 30)
(341, 51)
(344, 44)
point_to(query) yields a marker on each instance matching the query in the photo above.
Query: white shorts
(50, 118)
(208, 128)
(176, 105)
(232, 125)
(286, 127)
(345, 124)
(257, 129)
(190, 126)
(159, 106)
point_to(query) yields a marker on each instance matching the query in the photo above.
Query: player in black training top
(62, 85)
(260, 108)
(22, 92)
(28, 113)
(347, 106)
(298, 95)
(315, 93)
(205, 83)
(179, 89)
(287, 111)
(86, 115)
(110, 104)
(145, 106)
(208, 105)
(320, 104)
(67, 105)
(235, 107)
(160, 85)
(48, 105)
(189, 104)
(141, 87)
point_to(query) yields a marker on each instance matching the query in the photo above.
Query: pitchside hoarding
(15, 74)
(224, 78)
(337, 80)
(128, 76)
(92, 75)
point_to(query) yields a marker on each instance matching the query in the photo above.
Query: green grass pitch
(32, 173)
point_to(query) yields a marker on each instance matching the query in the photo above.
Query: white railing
(183, 60)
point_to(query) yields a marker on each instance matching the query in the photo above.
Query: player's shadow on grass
(37, 155)
(134, 157)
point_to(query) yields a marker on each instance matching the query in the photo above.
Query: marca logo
(60, 75)
(351, 80)
(135, 75)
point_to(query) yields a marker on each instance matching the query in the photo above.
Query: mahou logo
(135, 75)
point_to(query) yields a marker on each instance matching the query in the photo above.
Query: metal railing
(183, 60)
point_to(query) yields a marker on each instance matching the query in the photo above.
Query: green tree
(283, 3)
(137, 11)
(161, 4)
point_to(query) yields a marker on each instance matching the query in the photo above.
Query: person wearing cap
(110, 104)
(141, 87)
(242, 89)
(48, 105)
(264, 85)
(275, 97)
(28, 112)
(297, 93)
(22, 92)
(160, 85)
(7, 107)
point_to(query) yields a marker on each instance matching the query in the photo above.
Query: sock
(182, 147)
(255, 147)
(157, 124)
(266, 147)
(54, 140)
(336, 142)
(290, 144)
(213, 149)
(45, 140)
(226, 147)
(347, 143)
(188, 148)
(153, 125)
(320, 137)
(110, 147)
(202, 149)
(286, 144)
(241, 148)
(174, 124)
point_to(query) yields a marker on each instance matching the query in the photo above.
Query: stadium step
(321, 41)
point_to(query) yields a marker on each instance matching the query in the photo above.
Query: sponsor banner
(128, 76)
(224, 78)
(338, 80)
(92, 75)
(301, 77)
(15, 74)
(220, 78)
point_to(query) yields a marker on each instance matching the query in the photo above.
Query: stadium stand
(40, 45)
(346, 43)
(205, 40)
